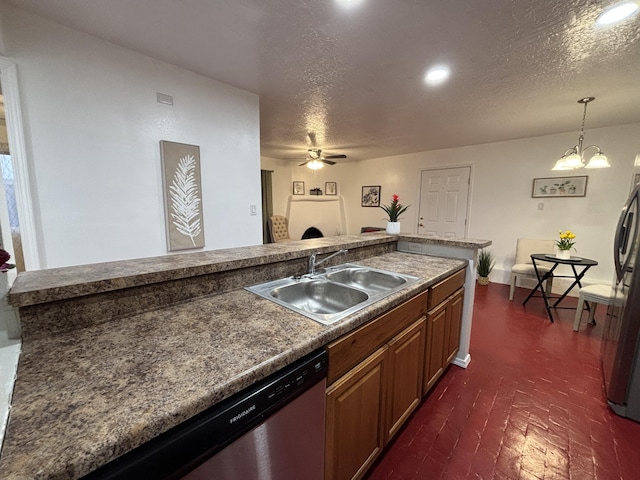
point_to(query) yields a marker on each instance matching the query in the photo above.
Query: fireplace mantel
(325, 212)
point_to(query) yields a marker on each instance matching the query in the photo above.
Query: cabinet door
(355, 408)
(455, 321)
(435, 345)
(406, 363)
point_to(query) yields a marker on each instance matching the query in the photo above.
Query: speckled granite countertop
(83, 398)
(473, 243)
(60, 283)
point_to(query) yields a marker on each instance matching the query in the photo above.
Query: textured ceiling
(354, 77)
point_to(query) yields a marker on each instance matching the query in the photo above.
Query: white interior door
(444, 195)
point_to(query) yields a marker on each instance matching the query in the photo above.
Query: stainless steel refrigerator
(621, 336)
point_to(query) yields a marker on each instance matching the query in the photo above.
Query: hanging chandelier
(574, 157)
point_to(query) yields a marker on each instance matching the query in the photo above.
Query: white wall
(92, 128)
(502, 209)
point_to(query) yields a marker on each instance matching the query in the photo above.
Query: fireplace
(327, 213)
(312, 232)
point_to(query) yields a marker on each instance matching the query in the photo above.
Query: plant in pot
(485, 265)
(394, 210)
(565, 244)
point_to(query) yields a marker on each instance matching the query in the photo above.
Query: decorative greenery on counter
(395, 209)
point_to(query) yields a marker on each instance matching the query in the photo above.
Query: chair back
(278, 228)
(526, 246)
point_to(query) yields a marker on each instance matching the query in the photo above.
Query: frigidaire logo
(242, 414)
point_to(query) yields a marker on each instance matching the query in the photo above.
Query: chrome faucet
(313, 264)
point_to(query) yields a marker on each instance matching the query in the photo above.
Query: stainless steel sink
(367, 279)
(334, 294)
(319, 296)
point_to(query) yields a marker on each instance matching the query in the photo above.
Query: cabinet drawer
(352, 348)
(439, 292)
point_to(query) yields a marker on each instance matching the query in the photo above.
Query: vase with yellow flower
(565, 244)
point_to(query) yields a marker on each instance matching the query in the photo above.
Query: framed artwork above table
(560, 187)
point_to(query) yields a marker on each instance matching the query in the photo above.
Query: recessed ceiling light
(617, 13)
(437, 75)
(349, 3)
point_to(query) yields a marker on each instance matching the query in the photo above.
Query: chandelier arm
(592, 146)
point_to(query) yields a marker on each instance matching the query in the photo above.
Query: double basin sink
(337, 292)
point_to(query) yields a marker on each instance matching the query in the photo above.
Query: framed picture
(330, 188)
(560, 187)
(371, 196)
(298, 188)
(182, 195)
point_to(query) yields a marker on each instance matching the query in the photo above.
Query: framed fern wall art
(182, 195)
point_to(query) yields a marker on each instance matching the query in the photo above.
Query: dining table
(579, 266)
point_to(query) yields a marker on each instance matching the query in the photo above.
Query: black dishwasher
(271, 430)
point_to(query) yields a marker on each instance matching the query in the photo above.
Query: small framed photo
(298, 188)
(330, 188)
(560, 187)
(371, 196)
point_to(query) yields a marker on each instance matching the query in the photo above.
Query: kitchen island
(115, 354)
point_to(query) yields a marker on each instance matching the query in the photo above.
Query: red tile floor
(530, 405)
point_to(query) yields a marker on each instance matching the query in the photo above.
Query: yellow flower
(565, 242)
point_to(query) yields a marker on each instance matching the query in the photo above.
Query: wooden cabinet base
(443, 337)
(379, 372)
(355, 404)
(404, 386)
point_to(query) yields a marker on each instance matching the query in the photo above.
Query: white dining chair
(594, 295)
(523, 266)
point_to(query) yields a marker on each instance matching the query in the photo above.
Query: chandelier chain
(584, 118)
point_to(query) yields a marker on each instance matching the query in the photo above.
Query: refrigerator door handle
(621, 238)
(626, 224)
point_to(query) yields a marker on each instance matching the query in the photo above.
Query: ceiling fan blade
(335, 156)
(311, 139)
(303, 164)
(328, 162)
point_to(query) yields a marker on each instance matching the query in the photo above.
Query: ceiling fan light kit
(574, 157)
(314, 164)
(315, 160)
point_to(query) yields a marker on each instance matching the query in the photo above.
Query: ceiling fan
(315, 159)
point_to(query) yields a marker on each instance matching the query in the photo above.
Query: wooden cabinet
(455, 322)
(434, 355)
(444, 320)
(405, 357)
(370, 395)
(379, 372)
(355, 404)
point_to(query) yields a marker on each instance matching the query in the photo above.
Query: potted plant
(394, 210)
(485, 265)
(565, 244)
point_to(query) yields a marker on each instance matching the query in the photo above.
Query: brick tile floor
(530, 405)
